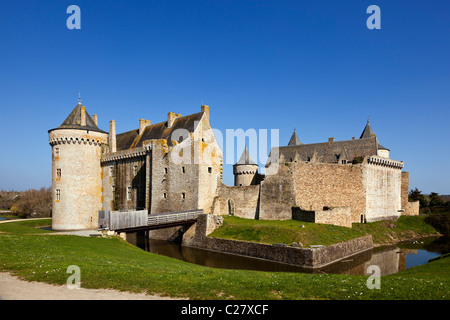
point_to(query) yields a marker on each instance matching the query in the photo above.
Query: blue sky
(313, 65)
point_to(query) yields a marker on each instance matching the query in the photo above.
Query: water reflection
(390, 259)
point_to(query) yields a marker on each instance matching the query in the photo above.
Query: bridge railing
(128, 219)
(117, 220)
(155, 219)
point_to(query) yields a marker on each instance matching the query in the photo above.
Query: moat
(390, 258)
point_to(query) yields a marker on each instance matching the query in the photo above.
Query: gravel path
(12, 288)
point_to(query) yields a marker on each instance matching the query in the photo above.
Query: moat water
(391, 259)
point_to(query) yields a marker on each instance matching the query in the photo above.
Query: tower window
(209, 169)
(135, 169)
(183, 169)
(111, 170)
(113, 189)
(58, 173)
(57, 152)
(58, 194)
(183, 195)
(165, 170)
(129, 193)
(165, 195)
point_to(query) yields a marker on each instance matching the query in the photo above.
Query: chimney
(83, 116)
(170, 119)
(95, 119)
(112, 136)
(205, 109)
(142, 124)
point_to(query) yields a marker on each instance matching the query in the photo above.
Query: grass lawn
(113, 263)
(289, 231)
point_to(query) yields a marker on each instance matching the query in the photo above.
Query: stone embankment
(318, 256)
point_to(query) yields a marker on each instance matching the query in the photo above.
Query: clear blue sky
(257, 64)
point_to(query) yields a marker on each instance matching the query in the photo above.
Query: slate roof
(367, 132)
(73, 121)
(295, 141)
(131, 139)
(245, 158)
(334, 151)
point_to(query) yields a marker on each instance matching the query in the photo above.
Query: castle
(176, 165)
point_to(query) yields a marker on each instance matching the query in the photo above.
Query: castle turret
(76, 171)
(245, 170)
(295, 141)
(367, 134)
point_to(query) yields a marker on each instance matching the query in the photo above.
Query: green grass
(405, 228)
(289, 231)
(113, 263)
(26, 226)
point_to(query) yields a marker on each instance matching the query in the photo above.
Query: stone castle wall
(124, 184)
(382, 179)
(340, 216)
(76, 178)
(404, 189)
(241, 202)
(277, 195)
(319, 185)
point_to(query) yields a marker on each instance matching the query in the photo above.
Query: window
(209, 169)
(135, 169)
(165, 195)
(111, 171)
(165, 170)
(129, 193)
(57, 152)
(183, 169)
(58, 194)
(183, 195)
(58, 173)
(113, 189)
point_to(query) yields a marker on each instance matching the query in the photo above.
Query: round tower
(76, 171)
(245, 170)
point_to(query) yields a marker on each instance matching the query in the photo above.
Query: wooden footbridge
(132, 221)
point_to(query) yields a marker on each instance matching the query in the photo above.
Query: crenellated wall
(382, 180)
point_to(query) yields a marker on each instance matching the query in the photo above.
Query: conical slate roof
(295, 141)
(73, 121)
(245, 158)
(368, 132)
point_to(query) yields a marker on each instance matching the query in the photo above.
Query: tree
(36, 203)
(435, 200)
(416, 195)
